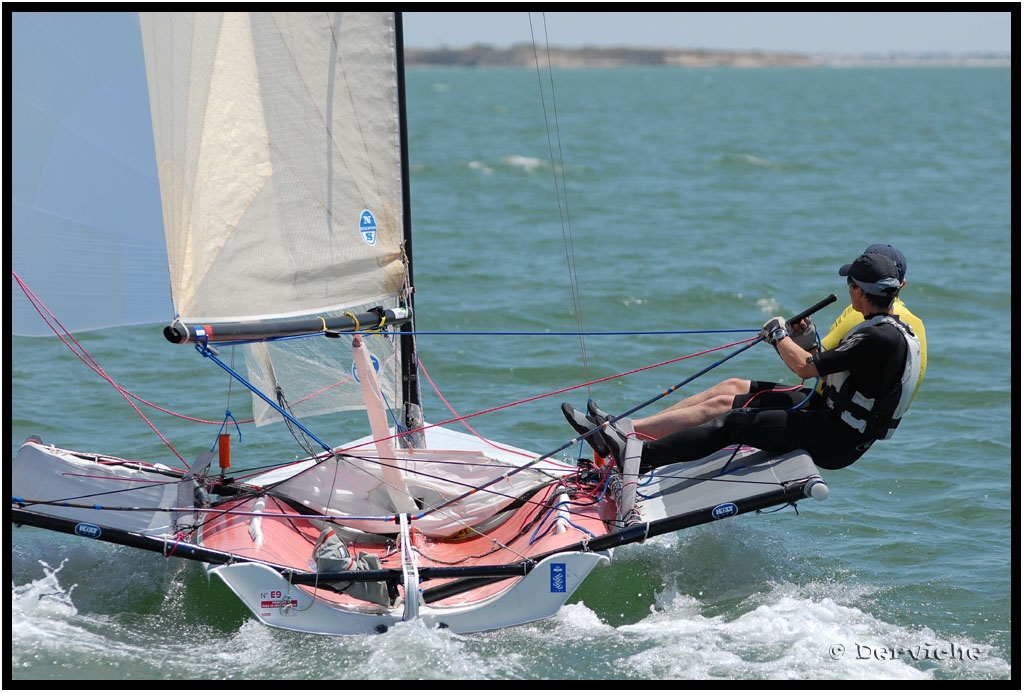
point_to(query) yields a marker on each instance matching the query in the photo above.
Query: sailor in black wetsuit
(868, 383)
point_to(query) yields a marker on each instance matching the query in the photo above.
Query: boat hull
(519, 565)
(537, 595)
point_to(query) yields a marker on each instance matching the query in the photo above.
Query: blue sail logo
(368, 227)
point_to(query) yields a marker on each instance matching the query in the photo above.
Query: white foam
(527, 163)
(40, 602)
(786, 631)
(796, 633)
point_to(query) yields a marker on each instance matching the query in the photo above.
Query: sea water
(679, 209)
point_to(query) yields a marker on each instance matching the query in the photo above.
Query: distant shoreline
(524, 55)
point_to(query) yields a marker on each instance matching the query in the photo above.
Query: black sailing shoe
(616, 444)
(582, 426)
(595, 414)
(611, 435)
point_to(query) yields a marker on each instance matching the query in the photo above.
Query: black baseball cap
(893, 254)
(876, 273)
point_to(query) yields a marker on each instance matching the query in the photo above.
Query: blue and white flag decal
(559, 578)
(368, 227)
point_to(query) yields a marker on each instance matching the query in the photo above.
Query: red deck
(289, 538)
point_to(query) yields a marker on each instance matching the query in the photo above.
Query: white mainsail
(278, 147)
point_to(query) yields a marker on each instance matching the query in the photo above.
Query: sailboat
(284, 181)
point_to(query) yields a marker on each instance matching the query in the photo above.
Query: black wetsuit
(765, 417)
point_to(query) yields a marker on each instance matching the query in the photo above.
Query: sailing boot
(614, 438)
(615, 441)
(595, 414)
(582, 426)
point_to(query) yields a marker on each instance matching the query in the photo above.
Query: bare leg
(694, 410)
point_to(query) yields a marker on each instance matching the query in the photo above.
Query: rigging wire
(561, 190)
(76, 347)
(83, 355)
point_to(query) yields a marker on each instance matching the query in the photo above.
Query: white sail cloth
(278, 148)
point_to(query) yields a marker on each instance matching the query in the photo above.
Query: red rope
(777, 389)
(78, 350)
(84, 356)
(462, 419)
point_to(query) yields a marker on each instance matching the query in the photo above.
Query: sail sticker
(84, 529)
(558, 577)
(373, 360)
(368, 227)
(724, 510)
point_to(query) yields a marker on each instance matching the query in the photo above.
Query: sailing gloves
(774, 330)
(807, 338)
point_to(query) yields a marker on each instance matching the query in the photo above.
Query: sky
(834, 33)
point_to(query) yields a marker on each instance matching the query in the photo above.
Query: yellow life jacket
(850, 318)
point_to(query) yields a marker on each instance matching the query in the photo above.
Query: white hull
(536, 596)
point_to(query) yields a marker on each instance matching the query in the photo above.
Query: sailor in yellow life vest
(869, 380)
(850, 318)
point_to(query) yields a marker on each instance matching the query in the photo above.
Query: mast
(410, 375)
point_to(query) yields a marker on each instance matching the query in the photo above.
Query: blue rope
(227, 415)
(816, 380)
(809, 394)
(538, 534)
(400, 428)
(203, 348)
(590, 334)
